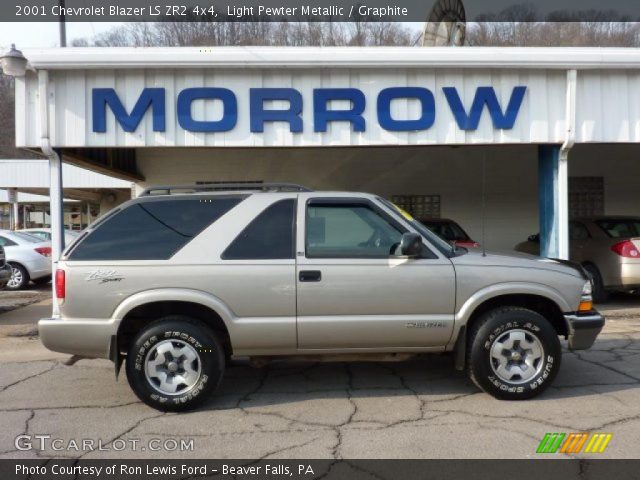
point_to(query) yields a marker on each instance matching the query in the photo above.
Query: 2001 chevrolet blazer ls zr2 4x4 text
(178, 280)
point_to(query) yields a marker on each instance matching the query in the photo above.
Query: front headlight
(587, 290)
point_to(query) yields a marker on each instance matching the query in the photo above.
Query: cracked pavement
(422, 408)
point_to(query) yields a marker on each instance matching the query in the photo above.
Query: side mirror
(411, 244)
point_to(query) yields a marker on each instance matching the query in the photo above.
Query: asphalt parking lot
(417, 409)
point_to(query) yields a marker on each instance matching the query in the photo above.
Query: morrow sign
(261, 112)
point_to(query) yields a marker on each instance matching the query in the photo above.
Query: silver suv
(181, 279)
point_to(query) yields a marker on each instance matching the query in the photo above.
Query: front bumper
(84, 337)
(583, 329)
(5, 275)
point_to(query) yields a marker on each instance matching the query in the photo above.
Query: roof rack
(221, 187)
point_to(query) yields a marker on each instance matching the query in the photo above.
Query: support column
(15, 209)
(56, 206)
(553, 193)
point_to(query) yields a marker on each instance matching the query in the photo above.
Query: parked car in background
(5, 269)
(29, 258)
(449, 230)
(45, 234)
(609, 249)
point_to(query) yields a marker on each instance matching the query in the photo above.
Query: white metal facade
(35, 174)
(608, 93)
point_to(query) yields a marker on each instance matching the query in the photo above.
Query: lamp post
(14, 63)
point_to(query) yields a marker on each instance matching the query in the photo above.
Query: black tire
(182, 331)
(599, 293)
(501, 325)
(21, 272)
(42, 280)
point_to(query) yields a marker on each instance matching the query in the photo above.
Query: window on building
(419, 206)
(269, 236)
(152, 230)
(349, 231)
(586, 197)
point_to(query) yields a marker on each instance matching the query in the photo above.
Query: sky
(24, 35)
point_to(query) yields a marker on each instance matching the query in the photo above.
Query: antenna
(445, 25)
(484, 203)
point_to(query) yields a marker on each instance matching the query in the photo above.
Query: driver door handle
(310, 276)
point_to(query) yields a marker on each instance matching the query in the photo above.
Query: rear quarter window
(152, 230)
(620, 228)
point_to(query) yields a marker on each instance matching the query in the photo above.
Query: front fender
(497, 290)
(510, 288)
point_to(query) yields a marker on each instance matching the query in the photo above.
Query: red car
(450, 230)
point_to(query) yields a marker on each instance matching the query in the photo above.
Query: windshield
(620, 227)
(445, 247)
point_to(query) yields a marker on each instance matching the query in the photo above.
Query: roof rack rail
(220, 187)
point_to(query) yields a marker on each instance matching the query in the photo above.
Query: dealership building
(505, 141)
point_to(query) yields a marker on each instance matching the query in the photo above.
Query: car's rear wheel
(19, 277)
(175, 363)
(514, 353)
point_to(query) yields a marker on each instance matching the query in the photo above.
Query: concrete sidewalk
(28, 315)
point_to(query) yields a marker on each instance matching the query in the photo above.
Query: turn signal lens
(585, 306)
(61, 287)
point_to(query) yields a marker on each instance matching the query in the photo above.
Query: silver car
(45, 234)
(29, 258)
(181, 279)
(5, 269)
(608, 248)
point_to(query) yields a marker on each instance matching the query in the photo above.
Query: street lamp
(14, 63)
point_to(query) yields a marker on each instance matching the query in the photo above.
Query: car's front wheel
(19, 277)
(175, 363)
(600, 295)
(513, 353)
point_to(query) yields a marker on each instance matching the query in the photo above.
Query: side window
(5, 242)
(577, 231)
(152, 230)
(348, 230)
(269, 236)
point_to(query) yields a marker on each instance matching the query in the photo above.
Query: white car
(45, 234)
(29, 258)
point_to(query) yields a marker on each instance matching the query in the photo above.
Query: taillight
(61, 287)
(627, 249)
(46, 251)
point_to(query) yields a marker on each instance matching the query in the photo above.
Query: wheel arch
(145, 307)
(21, 265)
(541, 299)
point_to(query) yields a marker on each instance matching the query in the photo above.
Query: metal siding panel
(22, 114)
(608, 106)
(633, 79)
(589, 108)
